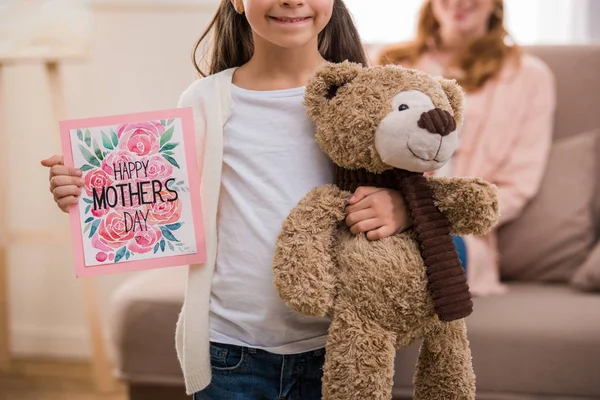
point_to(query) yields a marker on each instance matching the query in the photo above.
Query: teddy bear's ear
(456, 97)
(325, 82)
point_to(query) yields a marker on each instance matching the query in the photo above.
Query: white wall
(140, 60)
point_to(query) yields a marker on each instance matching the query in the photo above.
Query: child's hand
(379, 212)
(64, 182)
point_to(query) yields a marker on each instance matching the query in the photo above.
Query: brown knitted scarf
(447, 282)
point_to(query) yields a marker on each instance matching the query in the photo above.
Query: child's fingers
(59, 169)
(362, 192)
(358, 216)
(380, 233)
(362, 204)
(65, 180)
(365, 226)
(54, 160)
(65, 191)
(66, 202)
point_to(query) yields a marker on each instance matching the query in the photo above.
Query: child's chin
(296, 42)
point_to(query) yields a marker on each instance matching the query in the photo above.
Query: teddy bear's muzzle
(437, 121)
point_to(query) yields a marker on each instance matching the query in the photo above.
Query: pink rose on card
(144, 240)
(112, 232)
(96, 179)
(165, 212)
(141, 138)
(100, 212)
(158, 168)
(118, 159)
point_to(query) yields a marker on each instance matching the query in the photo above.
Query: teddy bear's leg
(359, 360)
(444, 368)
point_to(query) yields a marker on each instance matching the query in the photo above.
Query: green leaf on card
(169, 146)
(173, 227)
(79, 135)
(127, 255)
(171, 160)
(86, 167)
(166, 136)
(89, 201)
(90, 219)
(88, 156)
(120, 254)
(167, 233)
(97, 151)
(162, 245)
(171, 246)
(156, 246)
(87, 136)
(87, 209)
(87, 228)
(115, 138)
(163, 122)
(106, 142)
(94, 227)
(170, 121)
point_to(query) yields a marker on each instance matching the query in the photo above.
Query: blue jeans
(461, 248)
(242, 373)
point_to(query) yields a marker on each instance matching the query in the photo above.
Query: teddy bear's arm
(303, 264)
(471, 204)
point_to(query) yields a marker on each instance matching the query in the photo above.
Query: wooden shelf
(34, 56)
(104, 381)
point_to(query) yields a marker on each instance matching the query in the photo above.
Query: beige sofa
(541, 340)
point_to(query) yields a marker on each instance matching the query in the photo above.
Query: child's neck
(275, 68)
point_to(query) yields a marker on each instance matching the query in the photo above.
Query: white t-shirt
(270, 161)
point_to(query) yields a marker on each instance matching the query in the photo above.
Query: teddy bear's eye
(402, 107)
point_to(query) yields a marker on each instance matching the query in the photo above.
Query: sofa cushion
(143, 316)
(534, 341)
(597, 196)
(557, 229)
(587, 276)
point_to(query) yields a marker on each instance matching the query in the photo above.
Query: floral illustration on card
(135, 204)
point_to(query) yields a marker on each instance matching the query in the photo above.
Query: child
(258, 158)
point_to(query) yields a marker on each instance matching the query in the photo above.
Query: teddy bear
(386, 126)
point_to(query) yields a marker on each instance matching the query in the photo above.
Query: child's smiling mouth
(289, 20)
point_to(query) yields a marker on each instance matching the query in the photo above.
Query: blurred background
(67, 338)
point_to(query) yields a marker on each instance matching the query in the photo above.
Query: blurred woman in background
(509, 111)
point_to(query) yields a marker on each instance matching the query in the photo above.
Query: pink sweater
(505, 140)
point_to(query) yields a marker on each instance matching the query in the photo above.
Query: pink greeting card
(140, 207)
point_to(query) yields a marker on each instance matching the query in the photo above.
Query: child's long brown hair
(233, 46)
(483, 60)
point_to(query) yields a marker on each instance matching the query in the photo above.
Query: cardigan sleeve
(193, 97)
(518, 179)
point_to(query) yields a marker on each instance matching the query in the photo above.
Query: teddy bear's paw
(322, 205)
(470, 204)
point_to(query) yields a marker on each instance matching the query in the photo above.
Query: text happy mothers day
(133, 194)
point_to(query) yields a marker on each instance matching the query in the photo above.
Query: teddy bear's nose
(437, 121)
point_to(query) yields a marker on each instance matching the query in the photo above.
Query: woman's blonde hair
(482, 60)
